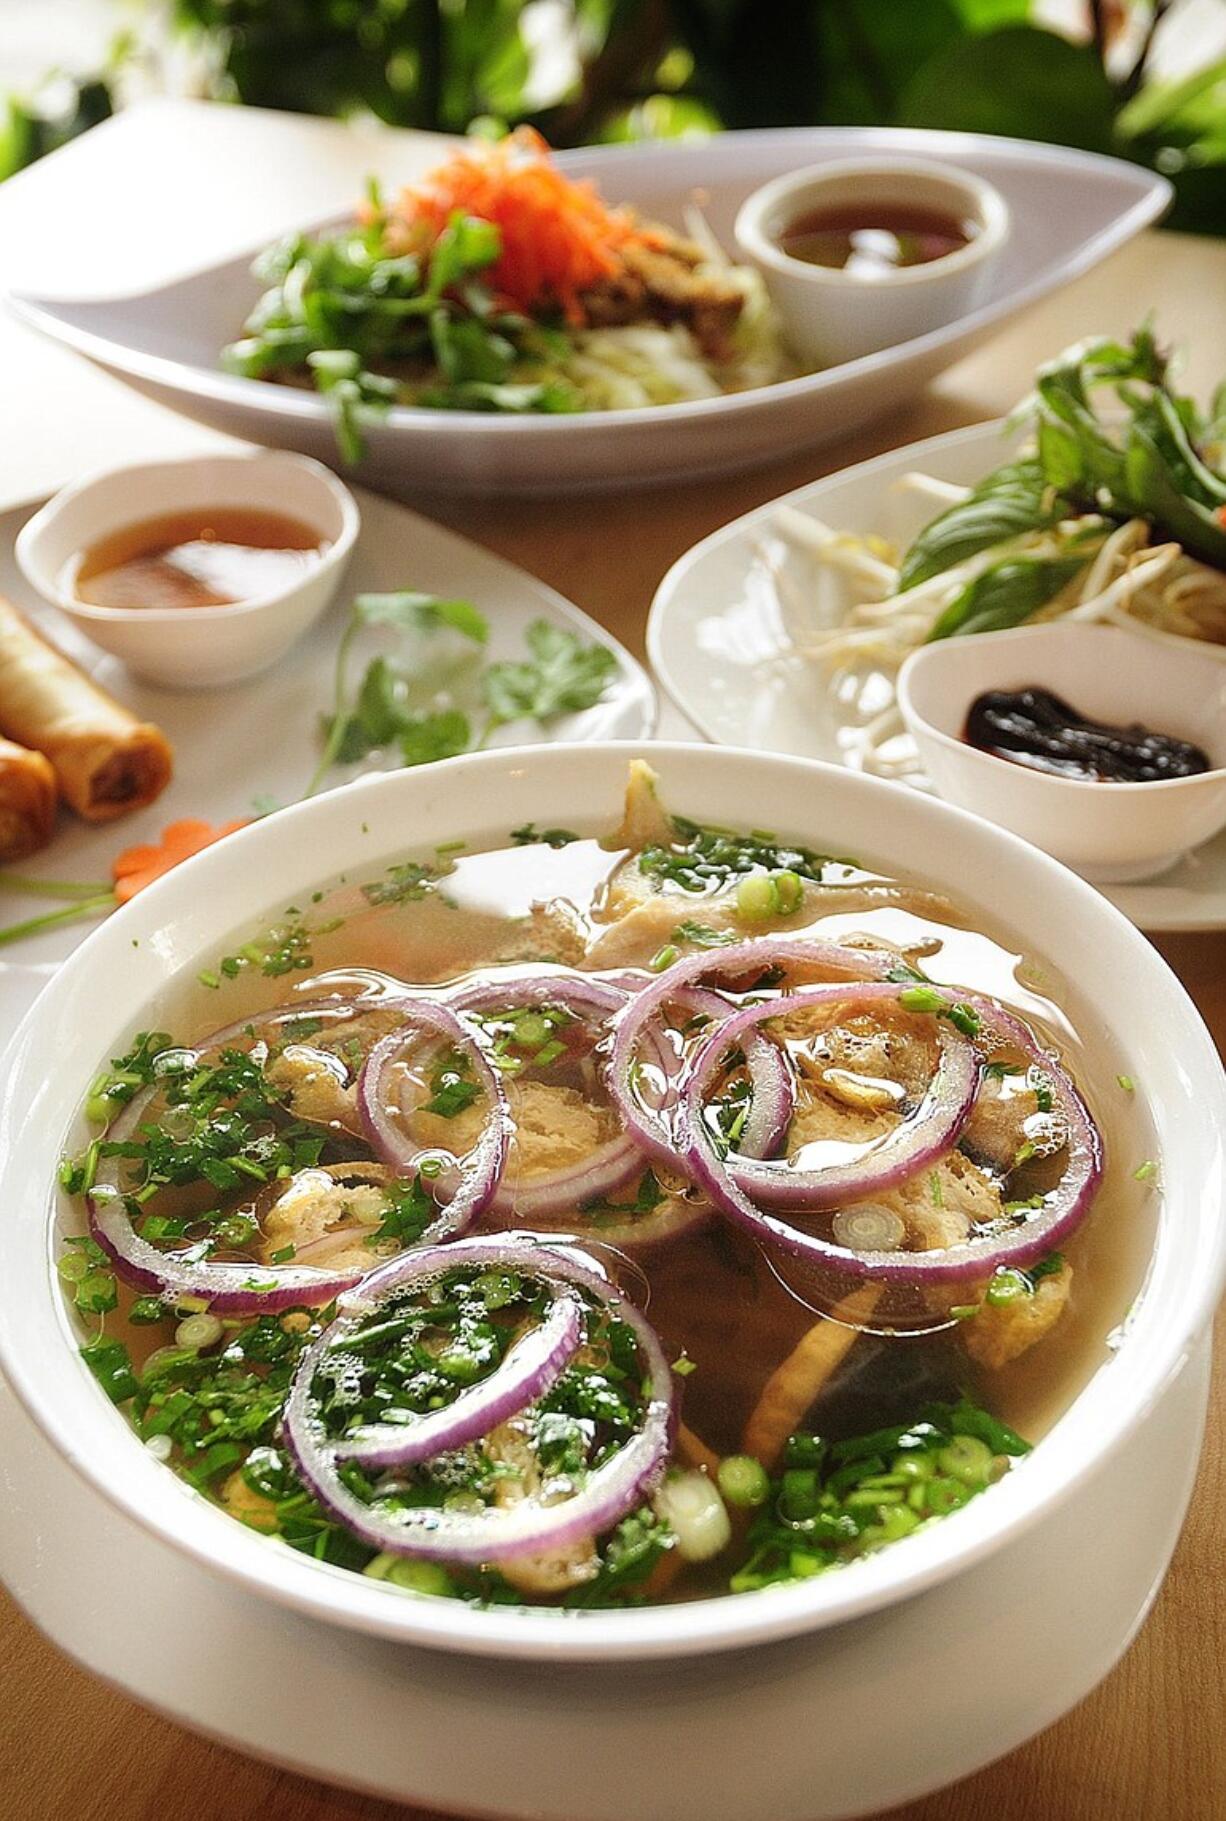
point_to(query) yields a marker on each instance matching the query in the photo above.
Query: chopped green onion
(755, 898)
(967, 1459)
(743, 1481)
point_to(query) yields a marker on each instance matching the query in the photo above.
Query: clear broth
(714, 1296)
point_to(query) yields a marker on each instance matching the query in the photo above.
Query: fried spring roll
(106, 762)
(27, 801)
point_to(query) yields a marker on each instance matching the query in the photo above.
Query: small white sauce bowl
(1110, 833)
(830, 315)
(194, 647)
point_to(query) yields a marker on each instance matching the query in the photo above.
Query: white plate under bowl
(718, 646)
(1117, 992)
(1070, 210)
(261, 738)
(793, 1732)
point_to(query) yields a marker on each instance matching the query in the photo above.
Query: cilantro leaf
(426, 737)
(563, 675)
(411, 611)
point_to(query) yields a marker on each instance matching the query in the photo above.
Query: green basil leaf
(1006, 503)
(1005, 595)
(1156, 495)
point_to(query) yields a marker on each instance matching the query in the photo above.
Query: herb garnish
(702, 859)
(423, 703)
(832, 1503)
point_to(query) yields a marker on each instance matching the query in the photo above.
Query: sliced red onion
(335, 1015)
(557, 1199)
(912, 1146)
(530, 1367)
(679, 985)
(229, 1288)
(480, 1170)
(1031, 1239)
(494, 1534)
(585, 996)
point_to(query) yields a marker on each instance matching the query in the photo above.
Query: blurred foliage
(585, 70)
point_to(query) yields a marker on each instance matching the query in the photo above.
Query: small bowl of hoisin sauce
(861, 254)
(196, 573)
(1102, 745)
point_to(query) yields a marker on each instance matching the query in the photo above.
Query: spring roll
(106, 762)
(27, 801)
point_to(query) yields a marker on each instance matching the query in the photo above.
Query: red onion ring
(680, 984)
(556, 1202)
(230, 1288)
(914, 1144)
(479, 1172)
(556, 1197)
(1065, 1207)
(527, 1371)
(773, 1095)
(526, 1529)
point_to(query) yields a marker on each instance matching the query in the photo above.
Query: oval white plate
(1070, 209)
(717, 643)
(260, 738)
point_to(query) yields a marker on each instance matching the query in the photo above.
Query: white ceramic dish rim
(332, 558)
(608, 162)
(984, 197)
(1050, 782)
(181, 921)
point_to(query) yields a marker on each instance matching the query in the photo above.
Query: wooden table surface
(1151, 1741)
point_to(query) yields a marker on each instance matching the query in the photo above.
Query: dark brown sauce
(872, 239)
(195, 559)
(1035, 728)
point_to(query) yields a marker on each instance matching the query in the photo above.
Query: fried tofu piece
(249, 1506)
(557, 1570)
(315, 1086)
(1001, 1332)
(555, 1127)
(329, 1211)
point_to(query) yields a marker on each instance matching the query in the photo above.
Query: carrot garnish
(136, 867)
(558, 237)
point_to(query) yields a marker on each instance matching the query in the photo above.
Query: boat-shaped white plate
(250, 744)
(1070, 209)
(718, 642)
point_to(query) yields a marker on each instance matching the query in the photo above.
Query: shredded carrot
(136, 867)
(792, 1387)
(559, 238)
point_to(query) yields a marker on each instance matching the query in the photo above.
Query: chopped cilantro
(702, 859)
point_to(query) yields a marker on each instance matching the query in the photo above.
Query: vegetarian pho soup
(595, 1222)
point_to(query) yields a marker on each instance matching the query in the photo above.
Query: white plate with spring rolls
(237, 751)
(731, 617)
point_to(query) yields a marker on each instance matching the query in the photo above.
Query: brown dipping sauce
(1035, 728)
(870, 240)
(195, 559)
